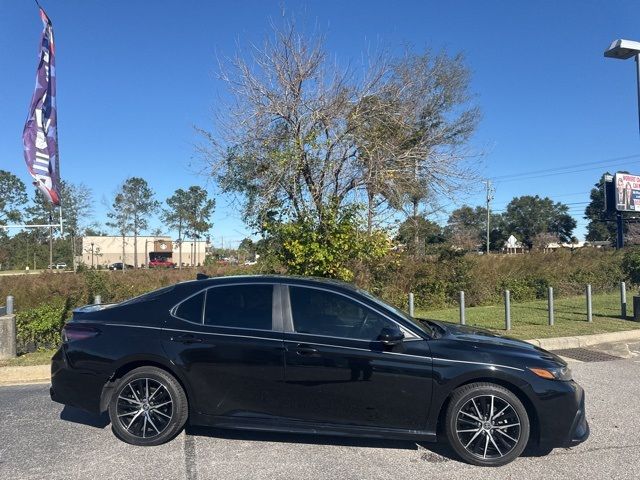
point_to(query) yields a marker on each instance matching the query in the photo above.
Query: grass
(41, 357)
(530, 320)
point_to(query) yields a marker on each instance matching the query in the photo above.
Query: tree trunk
(135, 247)
(123, 259)
(180, 245)
(73, 252)
(416, 234)
(370, 200)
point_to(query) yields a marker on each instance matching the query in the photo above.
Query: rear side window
(191, 309)
(239, 306)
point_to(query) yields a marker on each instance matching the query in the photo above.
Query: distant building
(105, 250)
(513, 245)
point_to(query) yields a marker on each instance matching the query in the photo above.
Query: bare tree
(412, 138)
(542, 241)
(286, 144)
(304, 134)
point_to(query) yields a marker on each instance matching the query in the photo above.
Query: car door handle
(186, 339)
(307, 351)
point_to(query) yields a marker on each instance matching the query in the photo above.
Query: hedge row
(44, 301)
(437, 280)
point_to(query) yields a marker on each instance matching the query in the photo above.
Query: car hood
(480, 338)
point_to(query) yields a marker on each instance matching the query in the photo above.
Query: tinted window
(191, 309)
(240, 306)
(324, 313)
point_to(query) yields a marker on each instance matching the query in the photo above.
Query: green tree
(12, 198)
(199, 211)
(247, 247)
(467, 228)
(175, 216)
(133, 205)
(189, 212)
(120, 219)
(528, 216)
(77, 208)
(41, 212)
(418, 232)
(602, 224)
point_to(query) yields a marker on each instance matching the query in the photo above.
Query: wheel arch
(127, 365)
(534, 421)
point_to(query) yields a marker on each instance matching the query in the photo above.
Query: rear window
(239, 306)
(149, 296)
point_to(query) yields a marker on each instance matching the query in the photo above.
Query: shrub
(329, 248)
(631, 265)
(40, 327)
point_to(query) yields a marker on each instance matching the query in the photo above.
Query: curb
(561, 343)
(25, 375)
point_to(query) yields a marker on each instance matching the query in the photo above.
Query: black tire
(148, 407)
(490, 442)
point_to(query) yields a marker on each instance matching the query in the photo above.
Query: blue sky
(135, 76)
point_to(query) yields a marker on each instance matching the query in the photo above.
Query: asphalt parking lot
(41, 439)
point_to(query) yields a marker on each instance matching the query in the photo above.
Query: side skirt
(293, 426)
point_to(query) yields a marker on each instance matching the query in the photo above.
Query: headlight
(558, 373)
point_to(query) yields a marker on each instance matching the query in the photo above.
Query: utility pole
(490, 192)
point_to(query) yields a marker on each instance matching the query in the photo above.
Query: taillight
(73, 333)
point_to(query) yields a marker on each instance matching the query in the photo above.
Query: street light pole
(638, 85)
(623, 50)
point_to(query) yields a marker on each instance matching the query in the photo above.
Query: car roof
(286, 279)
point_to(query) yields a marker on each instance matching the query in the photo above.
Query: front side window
(239, 306)
(319, 312)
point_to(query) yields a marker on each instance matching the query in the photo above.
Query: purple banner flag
(40, 135)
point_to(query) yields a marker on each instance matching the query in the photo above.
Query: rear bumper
(74, 387)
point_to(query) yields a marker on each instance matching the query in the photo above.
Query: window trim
(290, 326)
(276, 323)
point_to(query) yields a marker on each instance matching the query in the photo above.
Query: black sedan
(302, 355)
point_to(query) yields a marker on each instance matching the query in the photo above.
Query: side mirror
(391, 336)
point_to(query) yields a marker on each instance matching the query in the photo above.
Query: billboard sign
(627, 192)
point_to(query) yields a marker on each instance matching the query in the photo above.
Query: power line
(548, 171)
(555, 174)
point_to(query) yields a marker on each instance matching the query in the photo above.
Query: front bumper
(561, 414)
(580, 427)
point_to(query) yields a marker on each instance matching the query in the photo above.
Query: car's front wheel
(148, 407)
(486, 424)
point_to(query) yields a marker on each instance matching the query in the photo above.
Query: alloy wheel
(144, 407)
(488, 427)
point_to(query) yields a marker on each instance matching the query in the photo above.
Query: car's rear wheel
(486, 424)
(148, 407)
